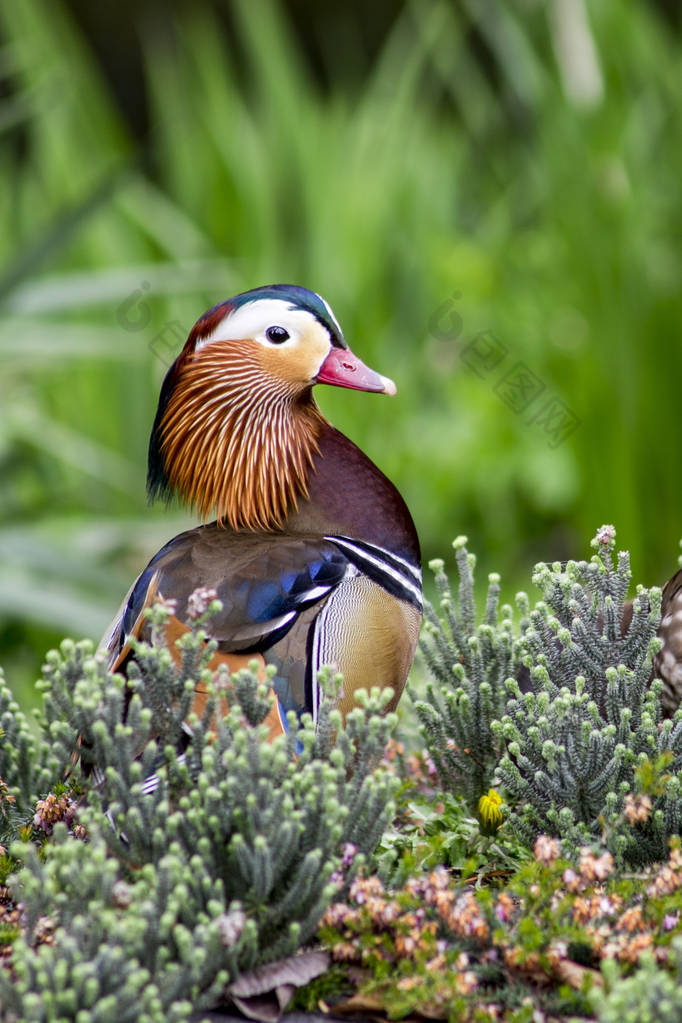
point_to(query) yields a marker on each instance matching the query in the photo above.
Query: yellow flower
(489, 813)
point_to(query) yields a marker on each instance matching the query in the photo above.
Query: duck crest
(233, 438)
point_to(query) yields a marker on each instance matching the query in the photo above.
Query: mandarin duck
(667, 663)
(313, 552)
(668, 660)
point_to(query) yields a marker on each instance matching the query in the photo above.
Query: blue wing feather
(263, 584)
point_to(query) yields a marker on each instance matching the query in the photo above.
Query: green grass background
(505, 167)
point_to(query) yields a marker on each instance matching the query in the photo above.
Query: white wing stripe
(382, 565)
(413, 571)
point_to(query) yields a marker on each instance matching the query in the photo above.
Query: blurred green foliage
(510, 167)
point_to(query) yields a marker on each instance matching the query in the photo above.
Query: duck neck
(349, 496)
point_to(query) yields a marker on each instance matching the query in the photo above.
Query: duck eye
(277, 335)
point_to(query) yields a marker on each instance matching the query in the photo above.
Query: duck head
(236, 427)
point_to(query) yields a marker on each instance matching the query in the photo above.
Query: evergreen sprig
(119, 949)
(650, 995)
(577, 743)
(208, 850)
(469, 662)
(559, 711)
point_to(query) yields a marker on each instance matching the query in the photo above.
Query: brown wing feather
(111, 643)
(114, 643)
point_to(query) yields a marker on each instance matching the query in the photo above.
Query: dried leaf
(360, 1003)
(573, 974)
(263, 994)
(268, 1007)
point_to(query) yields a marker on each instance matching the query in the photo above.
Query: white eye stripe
(253, 319)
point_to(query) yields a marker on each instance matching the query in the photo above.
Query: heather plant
(590, 731)
(651, 995)
(184, 869)
(118, 949)
(30, 766)
(526, 947)
(20, 759)
(469, 662)
(558, 711)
